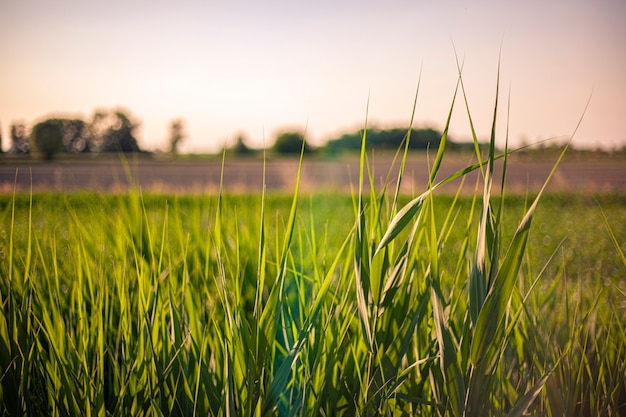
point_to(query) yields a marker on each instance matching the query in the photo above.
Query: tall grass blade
(270, 318)
(408, 212)
(407, 143)
(520, 407)
(612, 235)
(478, 282)
(361, 250)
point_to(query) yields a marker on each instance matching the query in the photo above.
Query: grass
(139, 311)
(368, 304)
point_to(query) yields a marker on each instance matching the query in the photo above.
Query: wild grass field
(375, 302)
(136, 304)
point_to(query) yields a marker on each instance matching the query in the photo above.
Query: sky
(254, 69)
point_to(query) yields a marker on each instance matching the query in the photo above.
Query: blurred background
(215, 74)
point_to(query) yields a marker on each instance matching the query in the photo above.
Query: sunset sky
(254, 68)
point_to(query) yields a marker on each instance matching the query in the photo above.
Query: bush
(290, 143)
(241, 148)
(386, 139)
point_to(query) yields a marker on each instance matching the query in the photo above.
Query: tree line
(291, 142)
(108, 130)
(113, 130)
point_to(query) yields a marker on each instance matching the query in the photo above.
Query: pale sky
(259, 67)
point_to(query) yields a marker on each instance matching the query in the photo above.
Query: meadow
(368, 303)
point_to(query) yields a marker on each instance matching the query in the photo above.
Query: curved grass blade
(406, 147)
(520, 407)
(478, 282)
(494, 308)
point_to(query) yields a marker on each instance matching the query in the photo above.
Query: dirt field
(246, 175)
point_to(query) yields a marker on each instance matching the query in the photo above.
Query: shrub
(290, 143)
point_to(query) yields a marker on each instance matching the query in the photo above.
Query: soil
(524, 174)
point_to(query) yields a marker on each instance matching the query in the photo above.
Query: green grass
(325, 304)
(124, 303)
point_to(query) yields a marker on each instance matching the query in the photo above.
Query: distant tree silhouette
(290, 143)
(75, 135)
(1, 151)
(20, 142)
(390, 139)
(177, 135)
(112, 131)
(241, 148)
(47, 137)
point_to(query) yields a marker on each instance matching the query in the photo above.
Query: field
(377, 301)
(578, 173)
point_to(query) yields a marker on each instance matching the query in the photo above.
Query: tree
(20, 142)
(1, 140)
(47, 137)
(290, 143)
(112, 131)
(240, 147)
(75, 135)
(177, 134)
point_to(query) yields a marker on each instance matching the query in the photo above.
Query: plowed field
(524, 174)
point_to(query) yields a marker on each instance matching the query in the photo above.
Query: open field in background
(576, 174)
